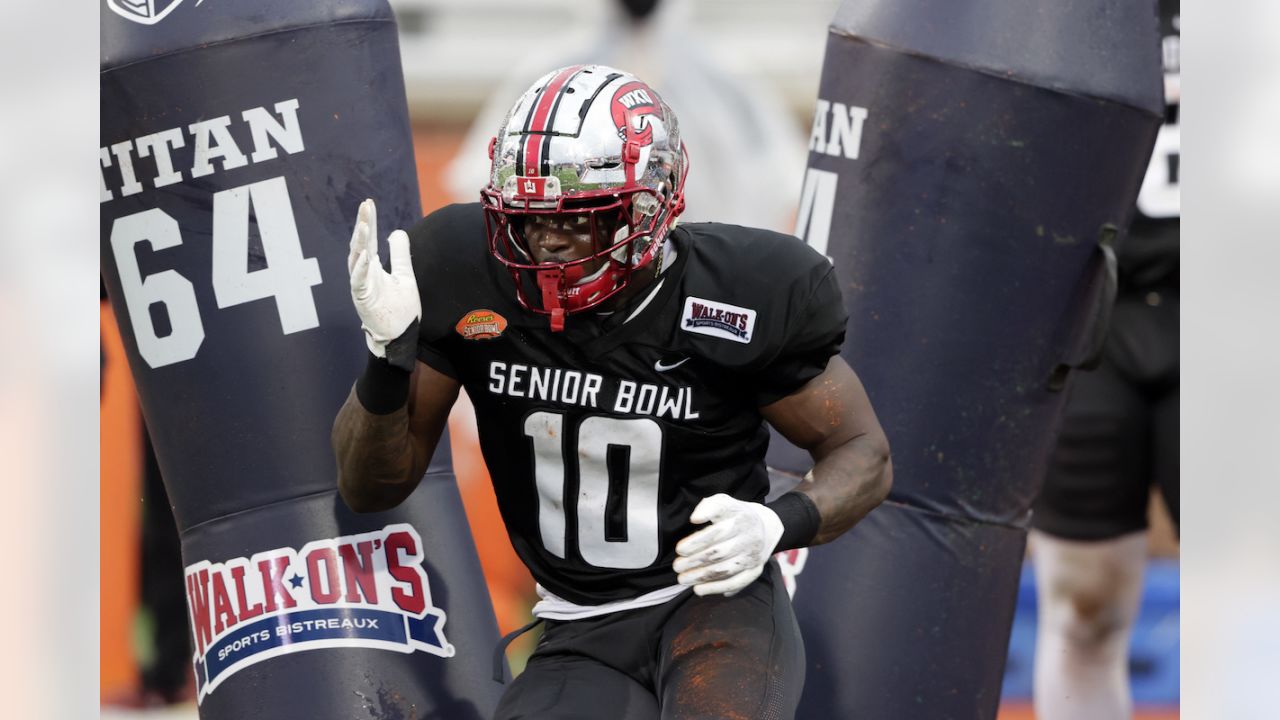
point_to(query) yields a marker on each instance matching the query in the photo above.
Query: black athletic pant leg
(733, 657)
(573, 687)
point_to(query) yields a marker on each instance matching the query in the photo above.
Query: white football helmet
(593, 141)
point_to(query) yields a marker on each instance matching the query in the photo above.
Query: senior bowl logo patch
(366, 590)
(717, 319)
(481, 325)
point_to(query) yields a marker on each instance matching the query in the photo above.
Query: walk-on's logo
(367, 590)
(717, 319)
(147, 12)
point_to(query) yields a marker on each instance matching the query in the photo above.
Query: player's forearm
(378, 465)
(848, 482)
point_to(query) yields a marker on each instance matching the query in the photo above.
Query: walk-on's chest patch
(717, 319)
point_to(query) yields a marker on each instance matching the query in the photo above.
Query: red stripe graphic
(541, 114)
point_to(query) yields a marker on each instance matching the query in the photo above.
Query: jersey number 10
(635, 443)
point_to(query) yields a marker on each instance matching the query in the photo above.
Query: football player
(1119, 438)
(622, 371)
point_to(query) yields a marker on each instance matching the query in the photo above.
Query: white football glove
(726, 556)
(387, 302)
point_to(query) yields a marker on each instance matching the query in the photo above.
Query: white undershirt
(668, 257)
(554, 607)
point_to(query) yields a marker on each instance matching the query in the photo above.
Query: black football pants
(692, 657)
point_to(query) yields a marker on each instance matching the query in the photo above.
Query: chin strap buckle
(549, 283)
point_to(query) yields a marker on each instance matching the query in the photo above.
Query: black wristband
(382, 388)
(800, 520)
(403, 351)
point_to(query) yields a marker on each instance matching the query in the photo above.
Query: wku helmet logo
(638, 100)
(147, 12)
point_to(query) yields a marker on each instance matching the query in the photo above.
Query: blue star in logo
(295, 581)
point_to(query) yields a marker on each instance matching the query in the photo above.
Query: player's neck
(642, 281)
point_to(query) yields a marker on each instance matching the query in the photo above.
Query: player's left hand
(726, 556)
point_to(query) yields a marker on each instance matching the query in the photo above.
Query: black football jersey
(601, 439)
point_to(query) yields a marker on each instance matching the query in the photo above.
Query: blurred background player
(1119, 438)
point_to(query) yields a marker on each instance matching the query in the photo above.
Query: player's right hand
(387, 302)
(729, 554)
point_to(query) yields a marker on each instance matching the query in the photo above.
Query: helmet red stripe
(540, 115)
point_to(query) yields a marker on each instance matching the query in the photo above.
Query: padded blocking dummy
(970, 165)
(238, 140)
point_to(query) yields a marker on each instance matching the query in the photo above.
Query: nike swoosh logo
(663, 367)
